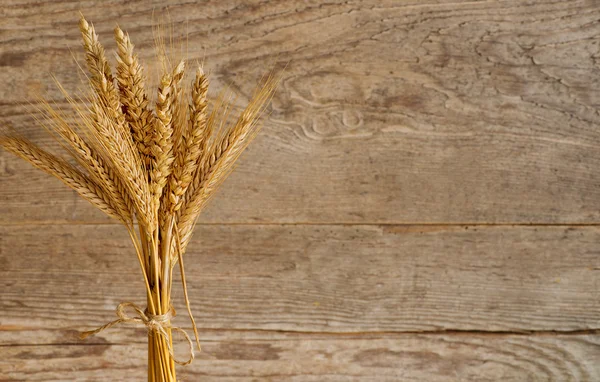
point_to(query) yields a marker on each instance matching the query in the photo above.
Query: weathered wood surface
(308, 265)
(388, 112)
(315, 303)
(319, 278)
(264, 356)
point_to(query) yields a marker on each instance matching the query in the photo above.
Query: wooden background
(423, 203)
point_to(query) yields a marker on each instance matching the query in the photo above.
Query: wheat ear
(131, 79)
(94, 55)
(193, 140)
(97, 168)
(219, 159)
(101, 77)
(108, 125)
(181, 122)
(62, 170)
(214, 124)
(162, 148)
(117, 147)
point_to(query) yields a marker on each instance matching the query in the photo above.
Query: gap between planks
(400, 224)
(291, 335)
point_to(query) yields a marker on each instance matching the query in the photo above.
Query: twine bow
(154, 323)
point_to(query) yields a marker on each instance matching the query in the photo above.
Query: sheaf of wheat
(152, 166)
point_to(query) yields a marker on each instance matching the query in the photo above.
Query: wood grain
(260, 356)
(318, 278)
(388, 112)
(367, 234)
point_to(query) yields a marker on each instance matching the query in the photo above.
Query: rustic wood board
(388, 112)
(318, 278)
(272, 356)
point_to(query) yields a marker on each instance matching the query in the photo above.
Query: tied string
(155, 323)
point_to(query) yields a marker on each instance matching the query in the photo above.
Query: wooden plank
(260, 356)
(317, 278)
(422, 111)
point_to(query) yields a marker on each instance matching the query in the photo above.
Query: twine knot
(154, 323)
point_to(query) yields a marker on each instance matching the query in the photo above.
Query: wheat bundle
(151, 169)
